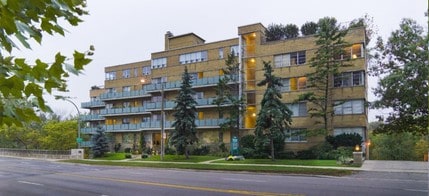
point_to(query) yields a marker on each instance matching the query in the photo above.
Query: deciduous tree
(402, 65)
(23, 84)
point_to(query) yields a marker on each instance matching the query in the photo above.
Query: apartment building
(130, 103)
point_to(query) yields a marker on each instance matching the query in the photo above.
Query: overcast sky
(130, 30)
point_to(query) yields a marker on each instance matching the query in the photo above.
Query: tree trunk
(272, 148)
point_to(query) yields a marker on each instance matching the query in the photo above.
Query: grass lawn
(228, 167)
(179, 158)
(284, 162)
(112, 156)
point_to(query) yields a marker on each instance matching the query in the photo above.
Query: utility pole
(162, 120)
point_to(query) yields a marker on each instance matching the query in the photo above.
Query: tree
(24, 137)
(22, 84)
(228, 99)
(309, 28)
(291, 31)
(184, 132)
(101, 145)
(275, 32)
(59, 135)
(330, 45)
(402, 65)
(274, 116)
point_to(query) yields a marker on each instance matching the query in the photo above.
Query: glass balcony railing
(124, 95)
(123, 111)
(86, 144)
(91, 117)
(92, 104)
(157, 125)
(88, 130)
(209, 81)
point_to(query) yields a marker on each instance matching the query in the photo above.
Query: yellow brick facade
(131, 102)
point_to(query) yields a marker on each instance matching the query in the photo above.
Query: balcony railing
(86, 144)
(93, 104)
(206, 123)
(91, 117)
(123, 111)
(209, 81)
(88, 130)
(124, 95)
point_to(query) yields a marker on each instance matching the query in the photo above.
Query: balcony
(169, 86)
(123, 95)
(124, 111)
(156, 125)
(93, 104)
(86, 144)
(91, 117)
(88, 130)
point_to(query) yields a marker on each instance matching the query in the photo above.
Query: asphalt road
(38, 177)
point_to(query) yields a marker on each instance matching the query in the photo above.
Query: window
(126, 104)
(358, 130)
(136, 72)
(109, 105)
(126, 88)
(159, 80)
(220, 53)
(193, 57)
(111, 75)
(294, 58)
(159, 63)
(111, 90)
(193, 76)
(200, 115)
(298, 109)
(156, 98)
(125, 120)
(353, 52)
(146, 70)
(145, 119)
(156, 117)
(126, 73)
(235, 50)
(293, 84)
(349, 107)
(198, 95)
(295, 135)
(347, 79)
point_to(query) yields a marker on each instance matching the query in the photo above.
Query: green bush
(248, 141)
(247, 152)
(345, 139)
(117, 147)
(170, 151)
(306, 154)
(286, 155)
(127, 150)
(128, 156)
(202, 150)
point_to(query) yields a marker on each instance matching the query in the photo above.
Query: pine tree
(184, 132)
(274, 116)
(331, 45)
(228, 99)
(101, 145)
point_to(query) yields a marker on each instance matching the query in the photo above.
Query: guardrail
(44, 154)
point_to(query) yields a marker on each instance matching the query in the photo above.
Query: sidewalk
(396, 166)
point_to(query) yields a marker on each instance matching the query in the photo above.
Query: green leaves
(22, 84)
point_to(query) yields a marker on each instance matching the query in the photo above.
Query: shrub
(286, 155)
(247, 152)
(144, 156)
(345, 139)
(306, 154)
(170, 151)
(127, 150)
(128, 156)
(117, 147)
(202, 150)
(248, 141)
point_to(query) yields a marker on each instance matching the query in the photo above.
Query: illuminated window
(302, 83)
(200, 115)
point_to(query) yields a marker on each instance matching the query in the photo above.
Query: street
(39, 177)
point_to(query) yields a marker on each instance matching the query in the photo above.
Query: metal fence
(34, 153)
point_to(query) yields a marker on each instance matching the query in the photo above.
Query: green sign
(234, 146)
(79, 140)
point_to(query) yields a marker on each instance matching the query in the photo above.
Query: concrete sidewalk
(396, 166)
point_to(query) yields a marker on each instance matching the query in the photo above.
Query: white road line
(243, 180)
(32, 183)
(417, 190)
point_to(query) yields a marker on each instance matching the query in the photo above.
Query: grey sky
(130, 30)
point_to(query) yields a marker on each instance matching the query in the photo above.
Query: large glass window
(293, 58)
(298, 109)
(347, 79)
(352, 52)
(111, 75)
(126, 73)
(349, 107)
(159, 63)
(126, 88)
(220, 53)
(350, 130)
(159, 80)
(293, 84)
(193, 57)
(111, 90)
(295, 135)
(235, 50)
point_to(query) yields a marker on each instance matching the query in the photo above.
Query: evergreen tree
(331, 45)
(402, 64)
(184, 132)
(274, 116)
(228, 99)
(291, 31)
(101, 145)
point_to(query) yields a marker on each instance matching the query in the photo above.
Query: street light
(162, 120)
(78, 140)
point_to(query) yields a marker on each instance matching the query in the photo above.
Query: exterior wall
(256, 50)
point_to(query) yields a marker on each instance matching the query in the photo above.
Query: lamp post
(78, 140)
(162, 120)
